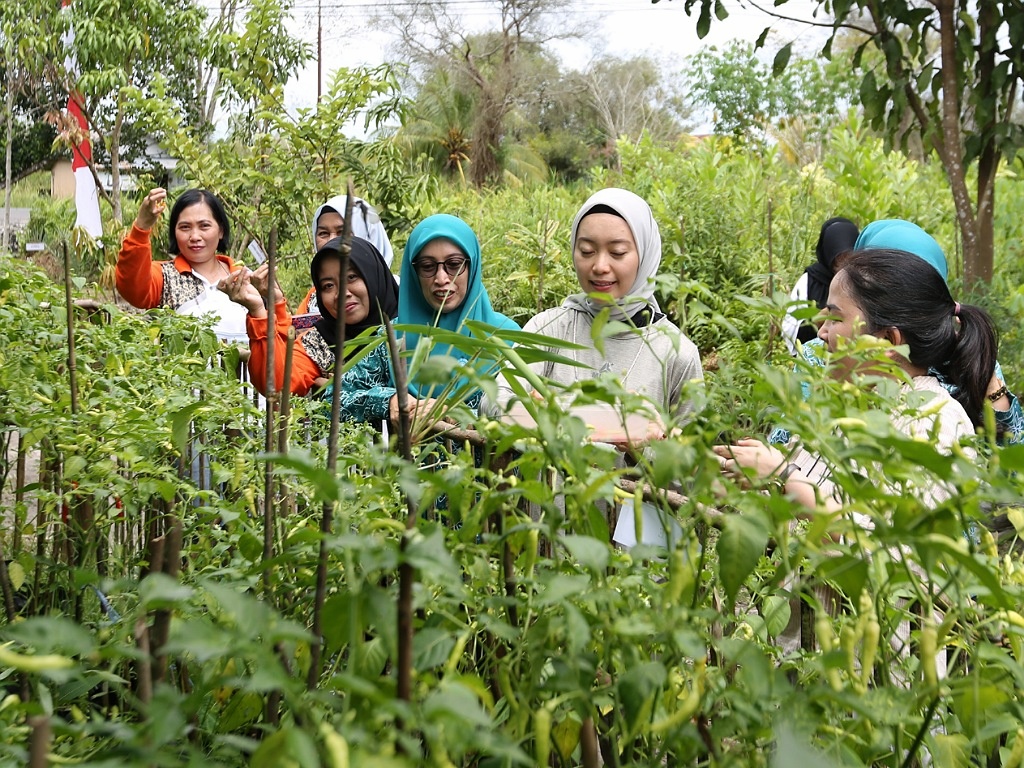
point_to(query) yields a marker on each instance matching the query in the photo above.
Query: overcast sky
(623, 28)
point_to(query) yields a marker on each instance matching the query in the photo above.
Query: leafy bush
(531, 639)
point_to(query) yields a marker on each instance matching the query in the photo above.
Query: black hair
(897, 289)
(193, 197)
(602, 208)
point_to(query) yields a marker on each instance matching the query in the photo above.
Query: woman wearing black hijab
(365, 295)
(837, 236)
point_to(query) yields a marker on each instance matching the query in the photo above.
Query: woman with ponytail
(894, 296)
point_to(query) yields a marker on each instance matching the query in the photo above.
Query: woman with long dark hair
(837, 236)
(902, 299)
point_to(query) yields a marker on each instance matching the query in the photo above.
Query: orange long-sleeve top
(140, 280)
(305, 371)
(304, 304)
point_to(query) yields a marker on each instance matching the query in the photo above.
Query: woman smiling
(616, 251)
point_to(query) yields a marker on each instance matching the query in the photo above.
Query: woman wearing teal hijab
(902, 235)
(442, 286)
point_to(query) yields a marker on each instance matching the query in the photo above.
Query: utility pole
(319, 51)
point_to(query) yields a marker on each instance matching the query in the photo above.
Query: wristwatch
(780, 478)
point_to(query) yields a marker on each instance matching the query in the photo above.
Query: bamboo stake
(327, 513)
(588, 744)
(72, 362)
(284, 430)
(162, 618)
(39, 742)
(406, 574)
(773, 329)
(271, 395)
(19, 492)
(144, 663)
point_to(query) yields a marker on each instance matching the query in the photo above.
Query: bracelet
(998, 394)
(780, 479)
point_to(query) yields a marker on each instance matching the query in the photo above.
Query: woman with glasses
(442, 287)
(616, 250)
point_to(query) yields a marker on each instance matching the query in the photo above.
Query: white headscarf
(366, 223)
(638, 216)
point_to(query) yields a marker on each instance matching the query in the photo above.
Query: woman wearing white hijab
(616, 250)
(329, 222)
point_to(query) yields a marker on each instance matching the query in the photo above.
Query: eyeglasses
(428, 267)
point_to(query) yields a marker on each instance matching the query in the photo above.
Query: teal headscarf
(413, 308)
(903, 236)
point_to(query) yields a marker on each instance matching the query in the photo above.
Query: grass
(30, 189)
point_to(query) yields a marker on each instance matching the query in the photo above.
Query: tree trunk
(8, 158)
(115, 165)
(989, 157)
(483, 152)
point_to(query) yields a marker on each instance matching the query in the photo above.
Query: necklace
(606, 366)
(221, 271)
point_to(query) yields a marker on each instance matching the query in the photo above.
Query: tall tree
(129, 50)
(956, 66)
(434, 38)
(750, 100)
(25, 37)
(631, 97)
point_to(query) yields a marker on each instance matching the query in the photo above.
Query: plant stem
(39, 743)
(269, 441)
(406, 574)
(327, 513)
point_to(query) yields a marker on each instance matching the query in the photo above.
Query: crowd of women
(887, 281)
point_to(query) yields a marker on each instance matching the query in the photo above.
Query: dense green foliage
(535, 639)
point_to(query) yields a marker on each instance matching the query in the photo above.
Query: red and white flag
(87, 198)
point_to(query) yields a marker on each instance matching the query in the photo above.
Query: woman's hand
(239, 288)
(1001, 403)
(417, 408)
(261, 277)
(152, 206)
(762, 460)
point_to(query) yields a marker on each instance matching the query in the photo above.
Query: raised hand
(152, 206)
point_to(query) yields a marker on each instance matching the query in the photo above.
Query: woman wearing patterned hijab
(616, 249)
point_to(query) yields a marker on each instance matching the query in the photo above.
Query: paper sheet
(658, 528)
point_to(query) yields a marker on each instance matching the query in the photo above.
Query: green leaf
(740, 546)
(287, 748)
(158, 590)
(776, 612)
(590, 552)
(637, 688)
(431, 647)
(181, 424)
(16, 573)
(951, 749)
(781, 59)
(456, 702)
(704, 19)
(558, 586)
(1016, 517)
(792, 750)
